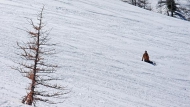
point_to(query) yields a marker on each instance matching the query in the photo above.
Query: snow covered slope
(101, 43)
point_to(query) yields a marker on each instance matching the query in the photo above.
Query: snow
(101, 43)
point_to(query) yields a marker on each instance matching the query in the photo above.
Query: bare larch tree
(133, 2)
(140, 3)
(144, 4)
(35, 67)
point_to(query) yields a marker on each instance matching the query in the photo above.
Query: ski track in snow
(100, 47)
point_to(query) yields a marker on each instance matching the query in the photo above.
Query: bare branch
(55, 86)
(44, 100)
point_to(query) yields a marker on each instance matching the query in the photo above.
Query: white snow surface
(100, 46)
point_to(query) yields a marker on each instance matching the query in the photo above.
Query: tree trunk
(135, 3)
(172, 8)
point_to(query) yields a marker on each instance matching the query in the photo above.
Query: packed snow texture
(100, 46)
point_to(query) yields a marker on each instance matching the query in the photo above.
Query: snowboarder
(146, 58)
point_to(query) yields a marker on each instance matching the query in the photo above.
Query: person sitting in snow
(146, 58)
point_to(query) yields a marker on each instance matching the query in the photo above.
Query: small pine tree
(170, 4)
(35, 67)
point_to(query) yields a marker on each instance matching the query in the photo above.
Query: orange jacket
(145, 57)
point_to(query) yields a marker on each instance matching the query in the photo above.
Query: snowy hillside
(101, 43)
